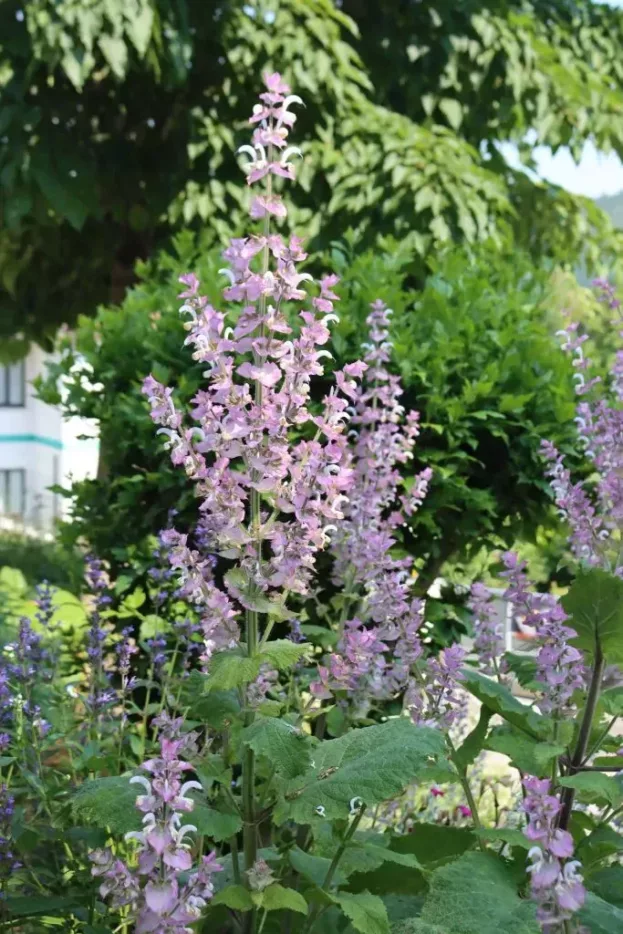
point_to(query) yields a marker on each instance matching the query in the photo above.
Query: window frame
(5, 385)
(5, 480)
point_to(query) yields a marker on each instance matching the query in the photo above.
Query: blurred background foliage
(120, 120)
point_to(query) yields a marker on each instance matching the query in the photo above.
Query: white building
(38, 449)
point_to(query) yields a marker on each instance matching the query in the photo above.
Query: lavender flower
(380, 644)
(164, 893)
(488, 631)
(560, 666)
(99, 694)
(556, 882)
(433, 698)
(8, 863)
(267, 680)
(594, 519)
(45, 609)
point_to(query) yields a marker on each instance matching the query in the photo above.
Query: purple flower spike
(159, 897)
(556, 883)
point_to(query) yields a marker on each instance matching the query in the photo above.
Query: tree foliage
(120, 120)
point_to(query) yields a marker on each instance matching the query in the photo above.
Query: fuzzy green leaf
(608, 884)
(283, 654)
(366, 912)
(503, 835)
(476, 895)
(313, 868)
(277, 897)
(499, 699)
(474, 742)
(596, 787)
(234, 896)
(601, 917)
(29, 906)
(285, 746)
(231, 670)
(374, 763)
(108, 802)
(214, 824)
(595, 603)
(526, 753)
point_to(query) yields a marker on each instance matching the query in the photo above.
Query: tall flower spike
(488, 631)
(380, 645)
(555, 878)
(595, 518)
(560, 666)
(165, 893)
(265, 502)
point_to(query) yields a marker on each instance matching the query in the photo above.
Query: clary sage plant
(277, 751)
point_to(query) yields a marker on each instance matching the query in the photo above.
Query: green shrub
(39, 560)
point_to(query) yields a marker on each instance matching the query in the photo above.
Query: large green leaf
(29, 906)
(476, 895)
(430, 844)
(601, 917)
(216, 708)
(498, 699)
(277, 897)
(415, 926)
(474, 742)
(286, 747)
(526, 753)
(108, 803)
(608, 884)
(595, 604)
(596, 787)
(434, 844)
(311, 867)
(503, 835)
(214, 824)
(366, 912)
(231, 669)
(372, 764)
(284, 654)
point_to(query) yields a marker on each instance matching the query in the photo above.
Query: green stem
(555, 762)
(588, 716)
(605, 733)
(248, 764)
(462, 770)
(235, 860)
(334, 865)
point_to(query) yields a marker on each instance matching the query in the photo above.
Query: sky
(595, 175)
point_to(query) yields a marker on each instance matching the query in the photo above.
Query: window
(12, 384)
(12, 492)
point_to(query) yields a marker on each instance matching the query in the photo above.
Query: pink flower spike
(191, 280)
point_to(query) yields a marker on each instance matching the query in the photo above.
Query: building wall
(40, 449)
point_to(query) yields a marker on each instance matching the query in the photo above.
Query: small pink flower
(437, 792)
(263, 205)
(161, 897)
